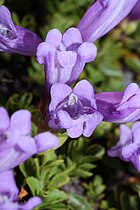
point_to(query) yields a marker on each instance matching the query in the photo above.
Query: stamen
(6, 33)
(72, 100)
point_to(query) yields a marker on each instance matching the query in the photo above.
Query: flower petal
(16, 39)
(135, 14)
(46, 55)
(92, 121)
(4, 119)
(58, 93)
(135, 126)
(45, 141)
(72, 36)
(8, 159)
(125, 135)
(110, 105)
(84, 90)
(8, 186)
(77, 128)
(67, 59)
(21, 121)
(42, 51)
(26, 145)
(26, 43)
(135, 159)
(64, 75)
(131, 90)
(65, 119)
(31, 203)
(54, 37)
(109, 97)
(87, 51)
(129, 150)
(6, 20)
(133, 102)
(102, 16)
(115, 152)
(77, 69)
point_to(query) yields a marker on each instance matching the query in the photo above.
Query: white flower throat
(6, 33)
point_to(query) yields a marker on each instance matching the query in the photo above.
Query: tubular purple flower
(9, 194)
(16, 143)
(64, 56)
(128, 146)
(74, 110)
(16, 39)
(120, 107)
(103, 16)
(135, 13)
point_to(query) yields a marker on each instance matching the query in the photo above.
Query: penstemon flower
(74, 110)
(16, 142)
(9, 194)
(103, 16)
(135, 13)
(120, 107)
(16, 39)
(128, 146)
(64, 56)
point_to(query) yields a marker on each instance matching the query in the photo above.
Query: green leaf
(102, 129)
(55, 196)
(100, 189)
(82, 173)
(62, 139)
(52, 200)
(29, 167)
(133, 62)
(47, 174)
(58, 181)
(57, 206)
(17, 101)
(55, 163)
(48, 156)
(36, 72)
(35, 185)
(96, 150)
(87, 166)
(128, 201)
(78, 202)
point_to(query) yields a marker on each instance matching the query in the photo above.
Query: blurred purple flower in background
(120, 107)
(74, 110)
(135, 13)
(128, 147)
(16, 39)
(9, 194)
(16, 143)
(103, 16)
(64, 56)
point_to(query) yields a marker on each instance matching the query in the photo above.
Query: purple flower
(74, 110)
(15, 39)
(64, 56)
(135, 14)
(120, 107)
(102, 16)
(16, 143)
(128, 147)
(9, 194)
